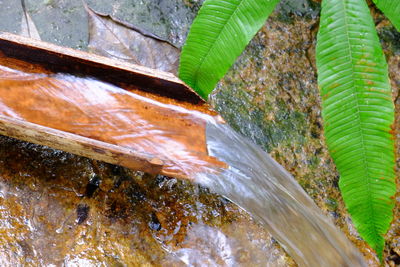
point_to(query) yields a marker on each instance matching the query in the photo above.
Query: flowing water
(258, 184)
(253, 180)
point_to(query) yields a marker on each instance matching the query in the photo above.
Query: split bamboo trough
(103, 109)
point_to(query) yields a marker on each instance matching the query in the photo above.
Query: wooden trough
(103, 109)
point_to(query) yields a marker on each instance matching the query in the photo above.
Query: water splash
(258, 184)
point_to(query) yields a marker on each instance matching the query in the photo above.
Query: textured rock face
(65, 22)
(58, 208)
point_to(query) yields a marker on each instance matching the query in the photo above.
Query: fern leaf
(358, 112)
(218, 35)
(391, 9)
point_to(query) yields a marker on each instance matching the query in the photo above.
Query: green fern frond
(358, 112)
(218, 35)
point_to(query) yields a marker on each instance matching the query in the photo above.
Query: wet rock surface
(65, 22)
(59, 208)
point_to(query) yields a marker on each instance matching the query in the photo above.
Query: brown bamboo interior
(153, 122)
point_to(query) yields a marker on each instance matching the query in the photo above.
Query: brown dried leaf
(28, 28)
(115, 39)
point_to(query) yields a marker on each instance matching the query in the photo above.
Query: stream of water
(262, 187)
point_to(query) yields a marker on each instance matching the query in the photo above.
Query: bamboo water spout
(156, 125)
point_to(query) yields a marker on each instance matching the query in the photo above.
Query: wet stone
(92, 186)
(11, 13)
(154, 223)
(82, 213)
(49, 219)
